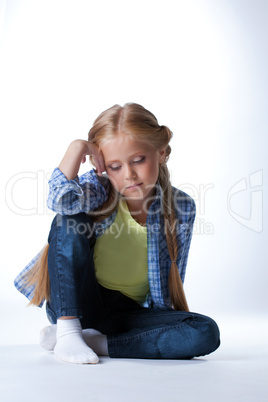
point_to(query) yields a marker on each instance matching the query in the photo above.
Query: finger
(98, 168)
(102, 163)
(99, 162)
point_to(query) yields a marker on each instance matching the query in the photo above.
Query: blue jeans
(132, 330)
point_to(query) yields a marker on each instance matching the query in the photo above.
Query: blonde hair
(137, 122)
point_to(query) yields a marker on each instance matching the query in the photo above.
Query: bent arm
(76, 154)
(69, 194)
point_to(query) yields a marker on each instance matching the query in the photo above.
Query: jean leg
(73, 285)
(158, 334)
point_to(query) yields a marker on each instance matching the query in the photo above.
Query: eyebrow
(132, 156)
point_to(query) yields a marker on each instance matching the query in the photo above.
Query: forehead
(123, 146)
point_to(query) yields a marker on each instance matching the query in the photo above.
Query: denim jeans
(132, 330)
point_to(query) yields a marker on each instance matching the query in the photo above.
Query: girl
(113, 269)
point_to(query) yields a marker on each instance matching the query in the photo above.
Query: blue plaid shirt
(88, 192)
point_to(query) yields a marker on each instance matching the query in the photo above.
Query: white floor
(237, 371)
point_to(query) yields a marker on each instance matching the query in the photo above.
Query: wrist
(79, 147)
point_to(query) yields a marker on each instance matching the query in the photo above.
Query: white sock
(93, 338)
(48, 337)
(70, 346)
(96, 340)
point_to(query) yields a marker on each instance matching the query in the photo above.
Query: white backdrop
(201, 68)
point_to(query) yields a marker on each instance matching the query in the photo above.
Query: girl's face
(132, 168)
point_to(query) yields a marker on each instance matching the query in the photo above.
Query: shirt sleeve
(82, 194)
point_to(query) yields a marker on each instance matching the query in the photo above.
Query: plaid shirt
(88, 192)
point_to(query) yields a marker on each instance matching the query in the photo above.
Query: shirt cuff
(58, 179)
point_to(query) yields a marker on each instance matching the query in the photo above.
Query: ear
(162, 155)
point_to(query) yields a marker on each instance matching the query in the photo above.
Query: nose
(130, 173)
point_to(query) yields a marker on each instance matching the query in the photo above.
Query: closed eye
(118, 167)
(114, 168)
(140, 160)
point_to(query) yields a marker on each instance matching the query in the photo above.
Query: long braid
(177, 295)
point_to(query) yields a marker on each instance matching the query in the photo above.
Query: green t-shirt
(120, 256)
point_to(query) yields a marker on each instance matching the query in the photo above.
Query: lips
(134, 185)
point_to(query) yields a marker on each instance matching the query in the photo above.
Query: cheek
(153, 170)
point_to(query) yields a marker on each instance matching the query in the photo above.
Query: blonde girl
(112, 272)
